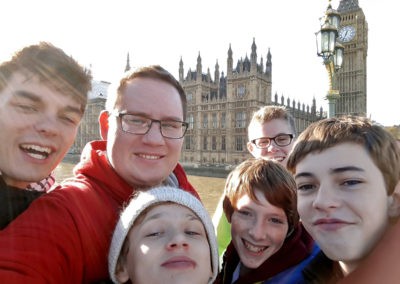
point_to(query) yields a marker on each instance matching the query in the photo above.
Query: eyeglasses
(136, 124)
(280, 140)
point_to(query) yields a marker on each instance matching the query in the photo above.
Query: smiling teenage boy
(43, 94)
(347, 172)
(268, 245)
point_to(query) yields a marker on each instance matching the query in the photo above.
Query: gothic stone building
(89, 127)
(220, 109)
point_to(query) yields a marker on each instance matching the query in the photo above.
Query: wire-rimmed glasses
(138, 124)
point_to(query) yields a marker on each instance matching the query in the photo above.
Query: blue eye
(306, 187)
(351, 182)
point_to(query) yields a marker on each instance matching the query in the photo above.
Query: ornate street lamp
(331, 52)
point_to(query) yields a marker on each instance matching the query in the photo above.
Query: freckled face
(258, 230)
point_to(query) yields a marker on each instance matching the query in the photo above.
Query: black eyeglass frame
(120, 115)
(291, 136)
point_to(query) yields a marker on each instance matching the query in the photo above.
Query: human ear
(250, 147)
(394, 202)
(103, 122)
(121, 273)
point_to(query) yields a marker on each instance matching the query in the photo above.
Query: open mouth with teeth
(253, 248)
(36, 151)
(149, 157)
(278, 159)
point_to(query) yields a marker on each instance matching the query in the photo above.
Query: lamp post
(331, 52)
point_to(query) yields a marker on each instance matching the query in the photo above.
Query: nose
(272, 147)
(153, 136)
(47, 125)
(177, 240)
(258, 230)
(326, 198)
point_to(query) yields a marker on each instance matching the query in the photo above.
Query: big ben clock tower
(351, 79)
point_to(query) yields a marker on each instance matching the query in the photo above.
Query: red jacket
(64, 236)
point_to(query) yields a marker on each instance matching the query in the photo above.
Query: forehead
(168, 211)
(269, 129)
(339, 156)
(261, 203)
(40, 91)
(151, 96)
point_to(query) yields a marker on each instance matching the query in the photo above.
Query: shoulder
(294, 274)
(321, 269)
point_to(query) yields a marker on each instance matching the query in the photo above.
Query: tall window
(214, 143)
(205, 120)
(189, 98)
(241, 91)
(188, 142)
(240, 119)
(239, 143)
(205, 143)
(223, 120)
(223, 143)
(191, 121)
(214, 120)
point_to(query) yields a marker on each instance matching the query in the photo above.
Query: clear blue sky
(100, 33)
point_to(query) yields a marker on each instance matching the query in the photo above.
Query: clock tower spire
(351, 79)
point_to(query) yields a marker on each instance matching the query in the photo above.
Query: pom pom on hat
(153, 196)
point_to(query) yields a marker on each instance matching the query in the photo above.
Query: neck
(15, 183)
(348, 267)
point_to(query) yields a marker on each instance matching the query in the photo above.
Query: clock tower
(351, 79)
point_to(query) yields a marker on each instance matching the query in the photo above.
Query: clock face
(347, 33)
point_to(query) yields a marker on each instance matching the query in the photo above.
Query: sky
(99, 34)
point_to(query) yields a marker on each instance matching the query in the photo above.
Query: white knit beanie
(145, 199)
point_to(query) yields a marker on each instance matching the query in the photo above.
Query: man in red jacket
(64, 236)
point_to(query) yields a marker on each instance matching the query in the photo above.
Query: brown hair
(51, 66)
(327, 133)
(270, 178)
(268, 113)
(153, 72)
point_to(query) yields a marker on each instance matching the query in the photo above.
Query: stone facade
(89, 127)
(220, 109)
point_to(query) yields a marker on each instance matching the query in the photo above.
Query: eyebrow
(191, 217)
(304, 174)
(28, 95)
(333, 171)
(152, 217)
(175, 118)
(346, 169)
(35, 98)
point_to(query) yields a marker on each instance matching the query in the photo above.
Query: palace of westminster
(220, 107)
